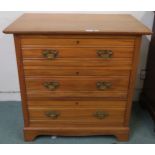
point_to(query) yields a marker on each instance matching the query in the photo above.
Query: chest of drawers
(77, 72)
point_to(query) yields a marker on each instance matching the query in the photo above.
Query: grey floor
(11, 124)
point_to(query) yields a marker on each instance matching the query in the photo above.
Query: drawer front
(72, 117)
(100, 53)
(77, 86)
(47, 42)
(73, 71)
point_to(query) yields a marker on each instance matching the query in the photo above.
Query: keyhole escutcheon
(77, 103)
(77, 42)
(77, 73)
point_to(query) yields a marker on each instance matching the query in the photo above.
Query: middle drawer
(115, 86)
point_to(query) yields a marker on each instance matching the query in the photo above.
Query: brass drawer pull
(52, 114)
(50, 54)
(100, 114)
(105, 54)
(51, 85)
(103, 85)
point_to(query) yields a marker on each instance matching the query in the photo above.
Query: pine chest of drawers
(77, 72)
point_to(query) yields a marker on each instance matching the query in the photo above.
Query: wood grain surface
(77, 24)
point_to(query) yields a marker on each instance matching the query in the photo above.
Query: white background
(9, 87)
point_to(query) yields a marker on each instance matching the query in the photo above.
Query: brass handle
(51, 85)
(50, 54)
(103, 85)
(100, 114)
(105, 54)
(52, 114)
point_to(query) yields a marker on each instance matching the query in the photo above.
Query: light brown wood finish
(19, 59)
(77, 67)
(121, 133)
(120, 95)
(72, 71)
(76, 117)
(120, 62)
(77, 24)
(78, 52)
(77, 103)
(78, 42)
(69, 110)
(76, 85)
(133, 79)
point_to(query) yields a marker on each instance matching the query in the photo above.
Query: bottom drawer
(78, 116)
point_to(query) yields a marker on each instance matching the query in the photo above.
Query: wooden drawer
(47, 41)
(101, 57)
(116, 86)
(78, 52)
(74, 71)
(48, 116)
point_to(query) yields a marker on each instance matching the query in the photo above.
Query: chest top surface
(77, 24)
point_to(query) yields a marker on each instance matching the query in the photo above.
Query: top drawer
(79, 42)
